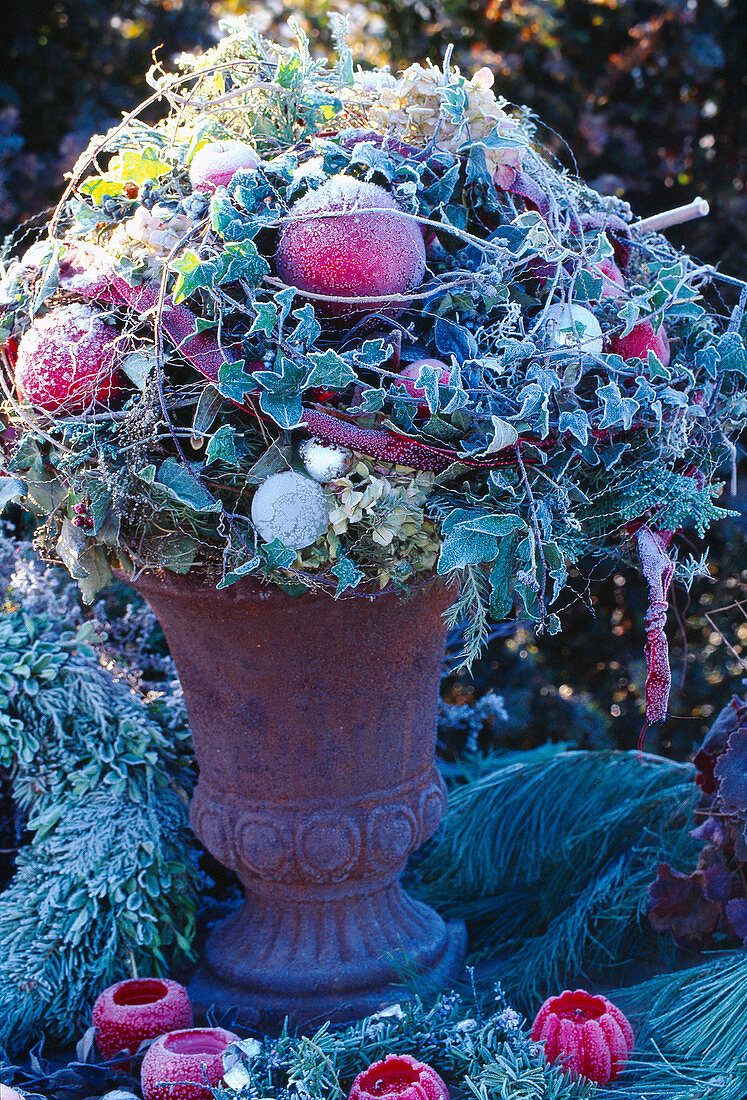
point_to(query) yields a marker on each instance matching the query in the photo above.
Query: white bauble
(574, 327)
(292, 508)
(324, 461)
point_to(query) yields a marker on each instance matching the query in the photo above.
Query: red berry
(67, 361)
(399, 1077)
(409, 376)
(185, 1065)
(641, 340)
(359, 245)
(588, 1035)
(141, 1008)
(215, 164)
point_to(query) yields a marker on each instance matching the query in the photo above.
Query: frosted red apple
(215, 164)
(129, 1012)
(613, 283)
(185, 1065)
(399, 1077)
(640, 341)
(351, 239)
(67, 361)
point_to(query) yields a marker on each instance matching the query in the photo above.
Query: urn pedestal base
(314, 724)
(312, 981)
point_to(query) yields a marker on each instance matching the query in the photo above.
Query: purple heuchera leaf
(731, 773)
(717, 883)
(710, 832)
(736, 911)
(678, 905)
(714, 744)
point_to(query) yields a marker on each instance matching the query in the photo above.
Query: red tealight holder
(399, 1077)
(140, 1008)
(185, 1065)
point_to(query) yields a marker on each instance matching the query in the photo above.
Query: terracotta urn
(314, 725)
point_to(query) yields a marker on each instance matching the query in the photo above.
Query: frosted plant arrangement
(339, 330)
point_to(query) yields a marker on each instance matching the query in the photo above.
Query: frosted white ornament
(323, 461)
(573, 326)
(291, 508)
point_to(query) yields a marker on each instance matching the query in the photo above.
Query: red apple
(358, 244)
(640, 341)
(67, 361)
(399, 1077)
(408, 376)
(185, 1065)
(215, 164)
(141, 1008)
(613, 283)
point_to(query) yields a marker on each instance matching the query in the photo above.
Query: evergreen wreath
(333, 330)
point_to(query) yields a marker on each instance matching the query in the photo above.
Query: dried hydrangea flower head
(427, 104)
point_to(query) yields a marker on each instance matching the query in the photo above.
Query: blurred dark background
(649, 97)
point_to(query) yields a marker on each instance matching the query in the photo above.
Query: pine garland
(105, 888)
(548, 857)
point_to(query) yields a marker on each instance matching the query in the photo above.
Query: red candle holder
(185, 1065)
(399, 1077)
(129, 1012)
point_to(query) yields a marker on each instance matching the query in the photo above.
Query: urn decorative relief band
(314, 729)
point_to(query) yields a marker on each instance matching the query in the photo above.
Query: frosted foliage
(215, 164)
(365, 245)
(291, 508)
(67, 360)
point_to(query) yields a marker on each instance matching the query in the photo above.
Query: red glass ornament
(587, 1034)
(399, 1077)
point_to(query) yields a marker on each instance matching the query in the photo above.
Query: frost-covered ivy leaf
(266, 318)
(180, 485)
(285, 409)
(138, 366)
(427, 381)
(348, 575)
(463, 546)
(732, 353)
(452, 339)
(235, 381)
(85, 562)
(207, 409)
(222, 446)
(242, 261)
(440, 192)
(194, 274)
(372, 400)
(308, 330)
(575, 423)
(373, 158)
(629, 313)
(372, 353)
(49, 280)
(244, 570)
(11, 488)
(277, 556)
(227, 221)
(588, 287)
(731, 773)
(330, 371)
(138, 166)
(503, 435)
(617, 409)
